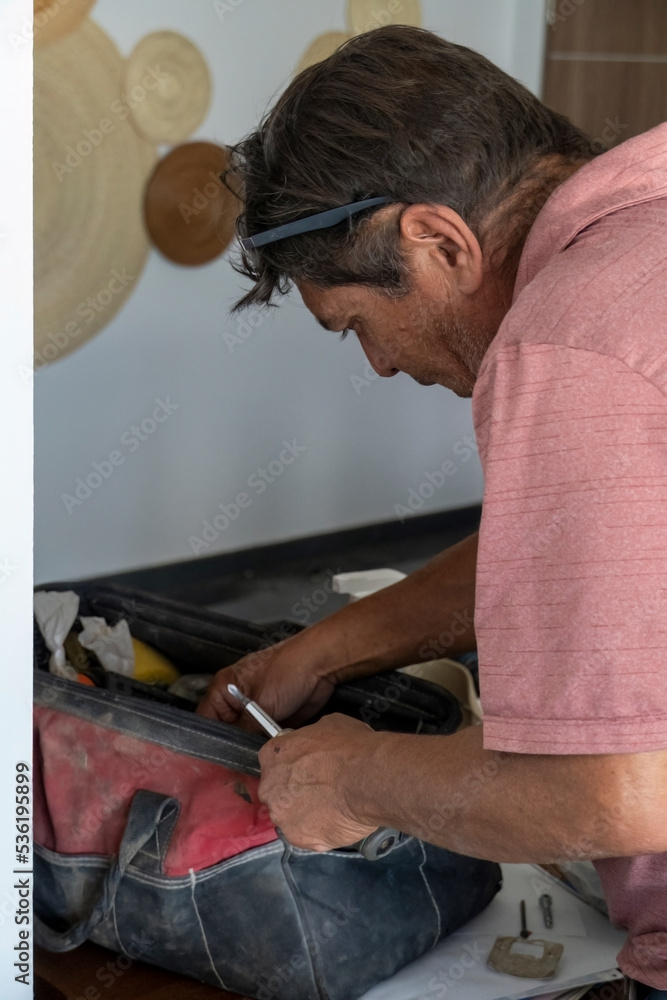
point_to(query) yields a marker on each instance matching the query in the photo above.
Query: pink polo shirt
(570, 412)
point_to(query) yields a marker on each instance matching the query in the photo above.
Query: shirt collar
(632, 172)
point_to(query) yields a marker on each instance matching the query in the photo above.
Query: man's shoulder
(606, 292)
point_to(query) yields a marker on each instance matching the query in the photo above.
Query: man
(501, 257)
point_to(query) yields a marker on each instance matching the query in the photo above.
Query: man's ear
(440, 237)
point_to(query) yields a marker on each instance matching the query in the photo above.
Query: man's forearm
(449, 791)
(425, 616)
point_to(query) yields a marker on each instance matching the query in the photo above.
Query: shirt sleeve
(570, 615)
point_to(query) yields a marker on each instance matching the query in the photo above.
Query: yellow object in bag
(152, 667)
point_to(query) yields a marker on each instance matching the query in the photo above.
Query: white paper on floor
(456, 968)
(504, 916)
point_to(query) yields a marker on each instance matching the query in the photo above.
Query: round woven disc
(189, 213)
(365, 15)
(168, 85)
(54, 20)
(321, 48)
(90, 167)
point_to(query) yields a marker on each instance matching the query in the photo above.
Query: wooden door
(606, 65)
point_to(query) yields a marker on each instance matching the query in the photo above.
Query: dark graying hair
(397, 111)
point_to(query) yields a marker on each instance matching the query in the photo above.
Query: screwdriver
(258, 713)
(377, 844)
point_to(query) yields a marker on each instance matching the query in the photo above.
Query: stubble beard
(455, 350)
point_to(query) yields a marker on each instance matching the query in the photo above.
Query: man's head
(467, 156)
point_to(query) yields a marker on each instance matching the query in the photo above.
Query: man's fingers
(219, 704)
(205, 709)
(312, 706)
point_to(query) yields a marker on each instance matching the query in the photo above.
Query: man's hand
(333, 783)
(281, 679)
(306, 776)
(428, 614)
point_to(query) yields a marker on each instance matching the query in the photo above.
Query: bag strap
(151, 855)
(150, 823)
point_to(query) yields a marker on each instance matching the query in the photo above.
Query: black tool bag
(151, 840)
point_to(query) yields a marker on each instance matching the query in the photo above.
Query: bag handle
(150, 822)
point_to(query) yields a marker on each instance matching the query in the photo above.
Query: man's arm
(334, 782)
(425, 616)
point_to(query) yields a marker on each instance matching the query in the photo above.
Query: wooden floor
(93, 973)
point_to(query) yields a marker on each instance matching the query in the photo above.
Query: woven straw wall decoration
(90, 170)
(321, 48)
(53, 19)
(172, 109)
(189, 213)
(365, 15)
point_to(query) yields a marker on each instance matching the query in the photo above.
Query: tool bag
(150, 838)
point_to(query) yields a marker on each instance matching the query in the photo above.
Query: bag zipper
(183, 732)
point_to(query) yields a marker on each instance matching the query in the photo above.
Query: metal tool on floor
(530, 959)
(546, 904)
(377, 844)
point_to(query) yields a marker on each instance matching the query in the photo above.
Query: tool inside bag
(150, 838)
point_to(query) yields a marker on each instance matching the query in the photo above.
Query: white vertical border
(529, 43)
(16, 451)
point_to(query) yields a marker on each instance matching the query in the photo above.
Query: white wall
(366, 444)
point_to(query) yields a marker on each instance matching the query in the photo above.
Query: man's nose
(380, 362)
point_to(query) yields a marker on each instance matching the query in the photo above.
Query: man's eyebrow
(324, 323)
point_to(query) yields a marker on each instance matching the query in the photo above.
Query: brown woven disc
(189, 213)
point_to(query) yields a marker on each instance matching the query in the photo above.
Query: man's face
(433, 333)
